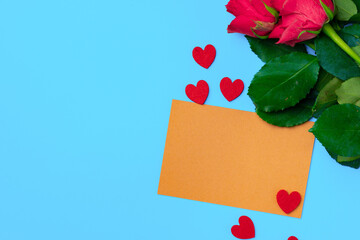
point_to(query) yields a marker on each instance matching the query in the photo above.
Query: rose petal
(278, 4)
(259, 5)
(310, 9)
(242, 24)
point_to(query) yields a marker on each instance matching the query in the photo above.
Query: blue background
(85, 96)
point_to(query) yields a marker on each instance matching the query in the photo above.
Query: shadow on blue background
(85, 96)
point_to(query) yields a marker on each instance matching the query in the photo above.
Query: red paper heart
(204, 57)
(199, 93)
(231, 90)
(292, 238)
(245, 230)
(288, 203)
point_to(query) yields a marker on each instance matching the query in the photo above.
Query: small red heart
(292, 238)
(204, 57)
(288, 203)
(231, 90)
(199, 93)
(245, 230)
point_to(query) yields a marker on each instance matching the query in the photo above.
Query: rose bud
(301, 20)
(255, 18)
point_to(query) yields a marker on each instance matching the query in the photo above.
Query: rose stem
(330, 32)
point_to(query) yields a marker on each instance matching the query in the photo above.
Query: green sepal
(309, 31)
(328, 11)
(258, 36)
(271, 10)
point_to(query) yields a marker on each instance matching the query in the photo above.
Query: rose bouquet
(295, 84)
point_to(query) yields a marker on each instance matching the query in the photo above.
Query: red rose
(253, 17)
(300, 20)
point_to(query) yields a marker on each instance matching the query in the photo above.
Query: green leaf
(334, 60)
(289, 117)
(353, 164)
(323, 79)
(349, 92)
(327, 96)
(351, 35)
(339, 159)
(267, 49)
(357, 16)
(346, 159)
(338, 129)
(357, 3)
(356, 49)
(284, 81)
(345, 9)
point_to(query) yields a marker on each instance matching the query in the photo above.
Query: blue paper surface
(85, 95)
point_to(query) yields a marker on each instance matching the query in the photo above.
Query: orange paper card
(233, 158)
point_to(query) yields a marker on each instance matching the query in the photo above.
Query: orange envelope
(233, 158)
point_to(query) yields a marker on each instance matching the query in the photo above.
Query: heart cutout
(204, 57)
(245, 230)
(292, 238)
(231, 90)
(199, 93)
(288, 202)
